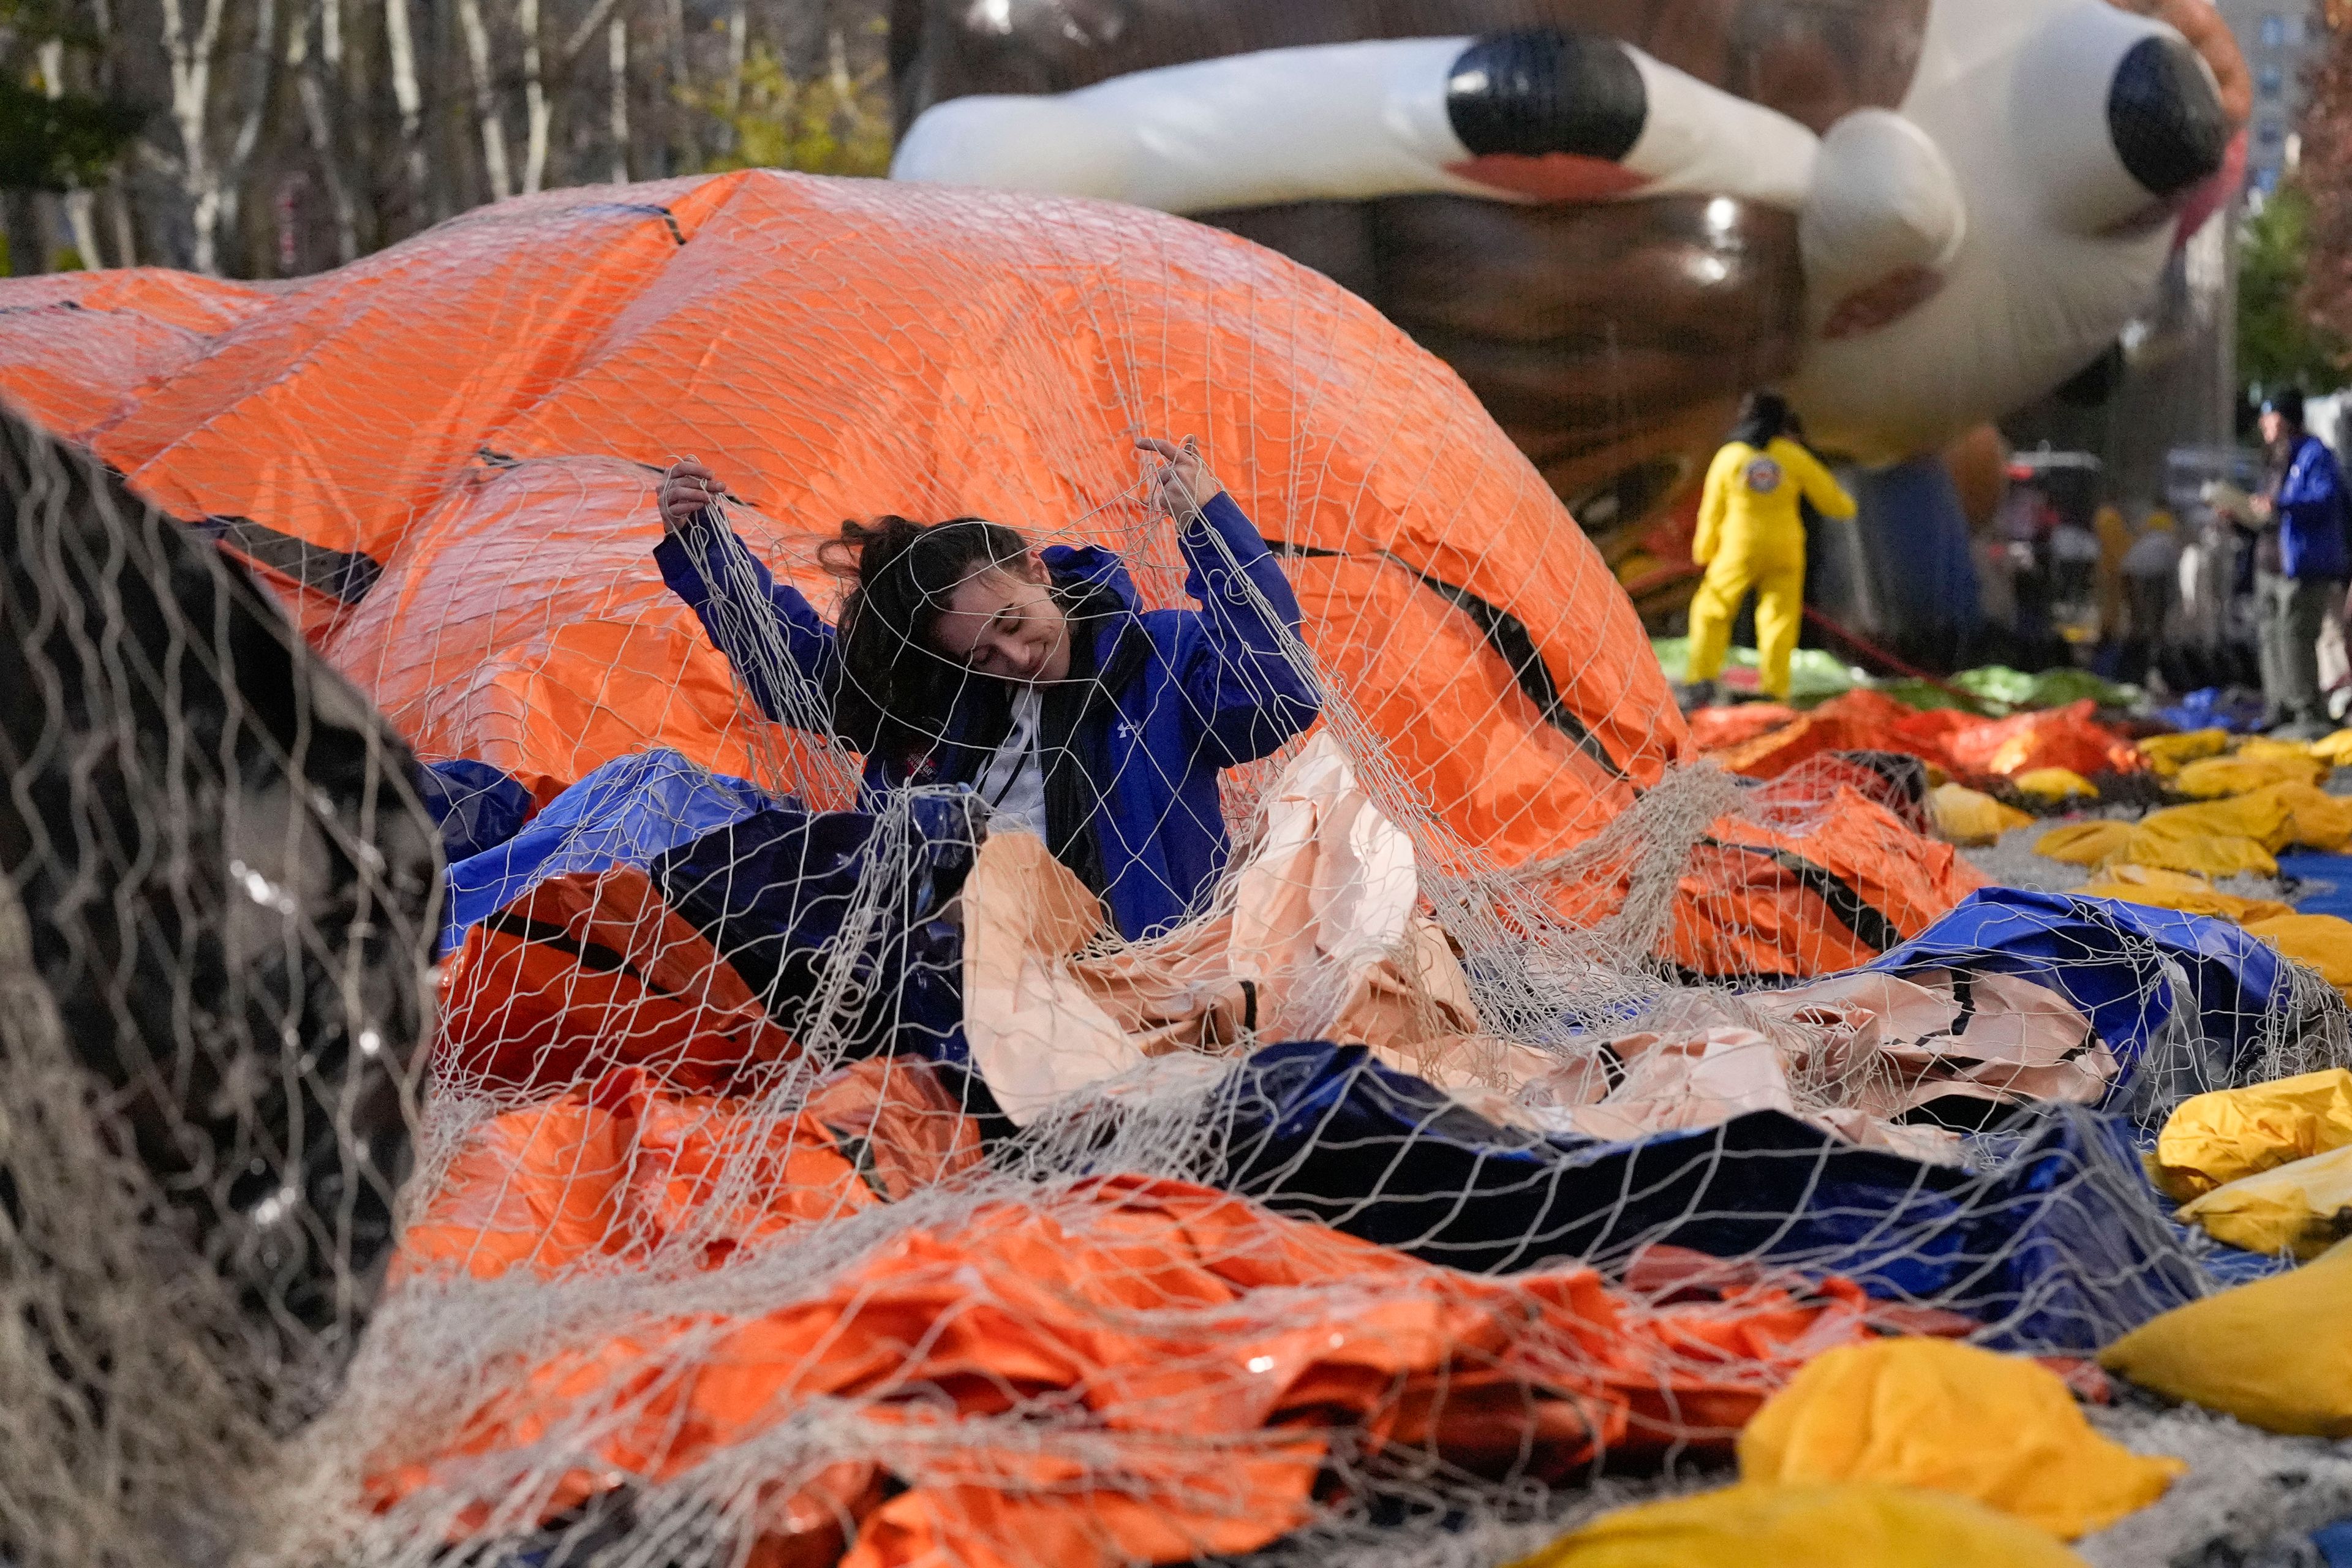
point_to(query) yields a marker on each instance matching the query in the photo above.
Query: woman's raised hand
(1183, 484)
(685, 490)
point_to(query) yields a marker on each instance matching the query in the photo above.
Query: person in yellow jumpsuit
(1751, 535)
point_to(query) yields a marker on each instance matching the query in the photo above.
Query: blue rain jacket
(1191, 692)
(2311, 513)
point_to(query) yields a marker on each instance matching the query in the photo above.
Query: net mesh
(792, 1166)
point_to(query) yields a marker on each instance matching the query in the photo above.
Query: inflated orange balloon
(444, 455)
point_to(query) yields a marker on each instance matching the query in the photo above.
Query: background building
(2279, 39)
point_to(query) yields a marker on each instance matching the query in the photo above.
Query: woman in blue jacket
(965, 656)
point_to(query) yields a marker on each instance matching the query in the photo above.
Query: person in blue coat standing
(967, 656)
(2300, 561)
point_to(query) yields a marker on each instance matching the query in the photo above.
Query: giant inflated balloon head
(1611, 216)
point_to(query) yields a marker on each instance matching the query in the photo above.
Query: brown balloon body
(1611, 341)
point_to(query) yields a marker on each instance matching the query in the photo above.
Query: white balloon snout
(1883, 221)
(2101, 161)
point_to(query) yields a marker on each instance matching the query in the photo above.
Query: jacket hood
(1092, 570)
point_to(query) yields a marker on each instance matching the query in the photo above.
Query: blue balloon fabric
(1915, 534)
(2050, 1236)
(2215, 707)
(842, 906)
(2139, 972)
(2327, 883)
(626, 813)
(476, 807)
(2334, 1543)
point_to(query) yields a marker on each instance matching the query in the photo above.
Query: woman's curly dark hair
(897, 691)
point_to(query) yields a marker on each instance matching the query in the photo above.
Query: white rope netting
(1453, 1172)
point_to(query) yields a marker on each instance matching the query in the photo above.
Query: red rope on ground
(1868, 649)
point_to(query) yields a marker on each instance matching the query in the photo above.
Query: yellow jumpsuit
(1751, 535)
(2115, 543)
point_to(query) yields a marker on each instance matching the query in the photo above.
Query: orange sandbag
(2055, 738)
(1858, 721)
(1191, 1360)
(1713, 729)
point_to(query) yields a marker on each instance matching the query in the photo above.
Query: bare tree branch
(583, 32)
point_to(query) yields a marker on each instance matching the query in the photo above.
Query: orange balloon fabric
(2058, 738)
(451, 446)
(1956, 742)
(590, 972)
(79, 345)
(1206, 1355)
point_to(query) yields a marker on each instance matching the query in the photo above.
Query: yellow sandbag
(2213, 777)
(2052, 785)
(2168, 754)
(2304, 1208)
(2335, 749)
(2214, 1139)
(2180, 890)
(2317, 942)
(2313, 817)
(2194, 839)
(1964, 815)
(2261, 815)
(1854, 1525)
(2222, 837)
(2276, 1354)
(2084, 843)
(1953, 1418)
(2256, 748)
(2275, 815)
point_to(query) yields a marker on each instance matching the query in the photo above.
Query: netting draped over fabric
(806, 1168)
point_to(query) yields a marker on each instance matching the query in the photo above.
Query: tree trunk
(314, 98)
(616, 55)
(686, 147)
(118, 217)
(400, 44)
(80, 210)
(738, 38)
(486, 100)
(191, 56)
(534, 98)
(27, 246)
(249, 131)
